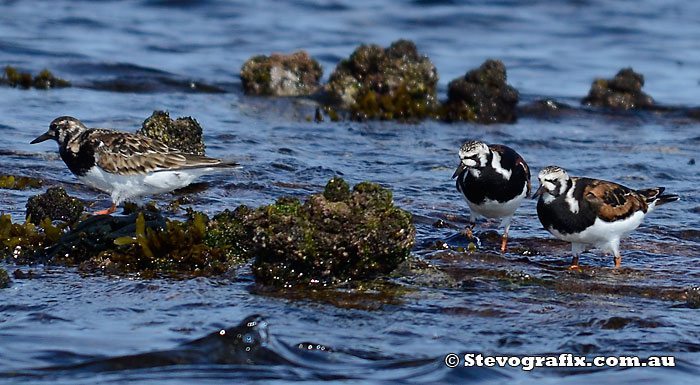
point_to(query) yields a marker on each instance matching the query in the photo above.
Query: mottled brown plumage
(129, 154)
(123, 164)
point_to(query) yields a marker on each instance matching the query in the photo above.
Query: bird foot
(108, 211)
(574, 267)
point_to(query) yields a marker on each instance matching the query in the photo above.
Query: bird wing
(130, 154)
(518, 161)
(613, 201)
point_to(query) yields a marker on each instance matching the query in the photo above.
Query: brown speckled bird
(127, 166)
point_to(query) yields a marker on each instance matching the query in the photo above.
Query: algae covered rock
(185, 134)
(23, 241)
(4, 279)
(393, 83)
(624, 92)
(332, 237)
(482, 95)
(44, 80)
(295, 74)
(54, 204)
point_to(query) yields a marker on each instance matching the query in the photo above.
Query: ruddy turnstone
(494, 180)
(592, 212)
(122, 164)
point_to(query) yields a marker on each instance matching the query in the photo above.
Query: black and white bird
(494, 180)
(126, 166)
(592, 212)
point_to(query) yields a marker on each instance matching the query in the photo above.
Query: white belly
(122, 187)
(602, 232)
(496, 209)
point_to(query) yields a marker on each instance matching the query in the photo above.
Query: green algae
(44, 80)
(13, 182)
(623, 92)
(482, 95)
(327, 241)
(22, 242)
(185, 133)
(396, 83)
(54, 204)
(295, 74)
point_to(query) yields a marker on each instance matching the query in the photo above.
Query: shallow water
(129, 58)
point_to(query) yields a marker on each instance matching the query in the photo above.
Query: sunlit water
(129, 58)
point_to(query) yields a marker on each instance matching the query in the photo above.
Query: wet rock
(150, 245)
(376, 83)
(184, 134)
(624, 92)
(361, 295)
(482, 95)
(19, 182)
(295, 74)
(692, 299)
(44, 80)
(332, 237)
(4, 279)
(54, 204)
(616, 323)
(227, 232)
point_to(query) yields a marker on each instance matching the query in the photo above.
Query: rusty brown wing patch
(613, 201)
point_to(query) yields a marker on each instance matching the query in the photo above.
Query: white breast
(123, 187)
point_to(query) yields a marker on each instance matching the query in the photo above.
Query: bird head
(553, 180)
(61, 130)
(472, 154)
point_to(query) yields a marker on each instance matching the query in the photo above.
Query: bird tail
(656, 196)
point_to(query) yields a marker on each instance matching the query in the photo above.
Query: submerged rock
(185, 134)
(482, 95)
(4, 279)
(376, 83)
(332, 237)
(54, 204)
(295, 74)
(624, 92)
(148, 244)
(44, 80)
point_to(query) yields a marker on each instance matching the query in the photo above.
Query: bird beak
(459, 170)
(43, 137)
(539, 192)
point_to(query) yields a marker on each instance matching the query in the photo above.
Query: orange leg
(618, 259)
(504, 241)
(574, 263)
(111, 210)
(468, 231)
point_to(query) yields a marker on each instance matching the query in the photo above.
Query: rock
(624, 92)
(44, 80)
(54, 204)
(376, 83)
(4, 279)
(482, 95)
(185, 134)
(295, 74)
(333, 237)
